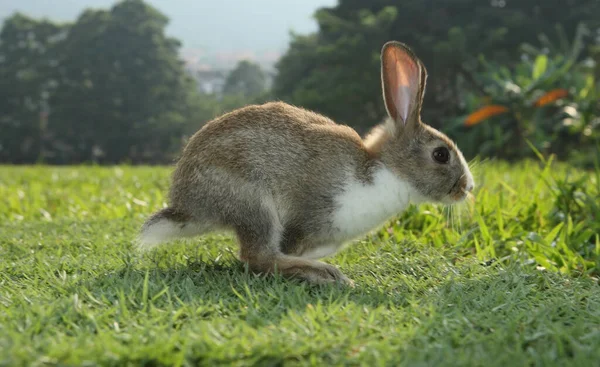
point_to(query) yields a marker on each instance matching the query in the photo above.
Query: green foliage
(576, 208)
(27, 54)
(112, 83)
(246, 79)
(565, 126)
(335, 71)
(123, 89)
(245, 84)
(74, 292)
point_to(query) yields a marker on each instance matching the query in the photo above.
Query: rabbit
(295, 187)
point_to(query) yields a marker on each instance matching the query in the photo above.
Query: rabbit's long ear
(403, 77)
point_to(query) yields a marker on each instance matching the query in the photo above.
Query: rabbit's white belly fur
(364, 207)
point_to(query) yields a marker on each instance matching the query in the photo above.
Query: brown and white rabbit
(294, 186)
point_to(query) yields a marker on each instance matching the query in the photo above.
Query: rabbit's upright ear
(403, 77)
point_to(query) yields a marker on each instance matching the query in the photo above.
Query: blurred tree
(247, 79)
(27, 62)
(335, 70)
(123, 92)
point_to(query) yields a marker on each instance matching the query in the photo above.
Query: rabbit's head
(415, 151)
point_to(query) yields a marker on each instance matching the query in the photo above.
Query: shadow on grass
(230, 289)
(506, 314)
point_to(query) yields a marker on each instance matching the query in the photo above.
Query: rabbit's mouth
(455, 189)
(460, 190)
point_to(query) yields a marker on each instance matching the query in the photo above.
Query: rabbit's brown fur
(294, 186)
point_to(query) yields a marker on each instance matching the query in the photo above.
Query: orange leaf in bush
(484, 113)
(551, 96)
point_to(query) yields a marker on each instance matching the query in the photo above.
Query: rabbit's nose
(469, 187)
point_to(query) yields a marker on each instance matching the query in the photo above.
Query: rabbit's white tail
(166, 225)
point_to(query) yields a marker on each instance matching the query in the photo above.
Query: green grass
(73, 291)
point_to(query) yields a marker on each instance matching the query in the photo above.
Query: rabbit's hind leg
(259, 237)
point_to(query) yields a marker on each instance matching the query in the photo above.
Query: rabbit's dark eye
(441, 155)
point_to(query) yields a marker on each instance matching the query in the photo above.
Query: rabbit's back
(278, 145)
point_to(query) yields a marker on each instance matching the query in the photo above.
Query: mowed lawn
(428, 292)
